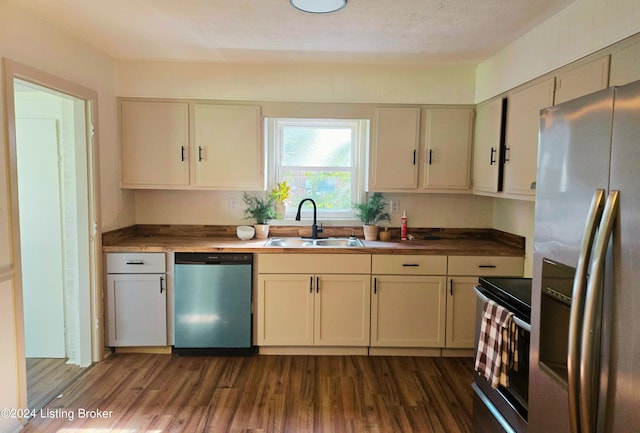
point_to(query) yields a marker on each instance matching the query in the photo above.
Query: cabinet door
(155, 143)
(583, 79)
(486, 156)
(408, 311)
(285, 310)
(228, 150)
(342, 310)
(447, 148)
(625, 63)
(394, 149)
(461, 312)
(523, 123)
(136, 310)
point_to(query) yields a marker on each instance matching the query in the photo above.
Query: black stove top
(512, 293)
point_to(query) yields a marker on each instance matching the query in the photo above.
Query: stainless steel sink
(314, 243)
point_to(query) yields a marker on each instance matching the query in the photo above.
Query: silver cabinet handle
(577, 308)
(592, 305)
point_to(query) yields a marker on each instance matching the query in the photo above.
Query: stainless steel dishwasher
(213, 313)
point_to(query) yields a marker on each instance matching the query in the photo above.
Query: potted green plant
(371, 213)
(280, 193)
(260, 210)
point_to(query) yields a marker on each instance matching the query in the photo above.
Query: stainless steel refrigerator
(585, 337)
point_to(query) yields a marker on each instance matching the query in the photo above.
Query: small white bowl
(245, 232)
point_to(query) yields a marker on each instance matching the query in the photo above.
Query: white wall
(448, 84)
(517, 217)
(30, 41)
(212, 207)
(582, 28)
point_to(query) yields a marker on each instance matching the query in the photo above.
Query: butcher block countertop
(431, 241)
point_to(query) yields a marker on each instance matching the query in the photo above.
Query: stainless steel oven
(505, 409)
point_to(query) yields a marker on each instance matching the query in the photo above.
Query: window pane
(330, 190)
(313, 146)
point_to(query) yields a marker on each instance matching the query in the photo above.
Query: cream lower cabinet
(298, 308)
(463, 273)
(408, 301)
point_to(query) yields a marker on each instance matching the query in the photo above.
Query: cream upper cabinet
(155, 144)
(486, 154)
(521, 147)
(446, 159)
(228, 151)
(186, 145)
(441, 164)
(582, 79)
(314, 300)
(463, 273)
(625, 63)
(408, 301)
(394, 149)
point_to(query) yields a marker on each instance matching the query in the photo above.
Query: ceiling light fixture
(318, 6)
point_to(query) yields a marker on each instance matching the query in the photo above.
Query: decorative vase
(262, 231)
(370, 232)
(281, 209)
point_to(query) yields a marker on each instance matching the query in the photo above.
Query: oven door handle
(519, 322)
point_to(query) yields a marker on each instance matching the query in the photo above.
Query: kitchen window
(323, 159)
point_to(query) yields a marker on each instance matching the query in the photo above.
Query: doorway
(55, 230)
(52, 196)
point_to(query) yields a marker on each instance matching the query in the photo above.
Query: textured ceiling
(369, 31)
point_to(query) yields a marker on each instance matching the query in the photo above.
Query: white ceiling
(365, 31)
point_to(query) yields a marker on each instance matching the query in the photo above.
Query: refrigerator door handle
(592, 306)
(577, 308)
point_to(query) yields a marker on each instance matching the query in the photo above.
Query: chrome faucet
(314, 228)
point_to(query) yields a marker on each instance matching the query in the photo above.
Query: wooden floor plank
(47, 377)
(268, 394)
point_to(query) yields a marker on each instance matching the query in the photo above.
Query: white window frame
(360, 138)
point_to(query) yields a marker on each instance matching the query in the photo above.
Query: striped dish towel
(495, 344)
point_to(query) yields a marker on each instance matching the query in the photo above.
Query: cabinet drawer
(314, 263)
(486, 266)
(409, 265)
(136, 263)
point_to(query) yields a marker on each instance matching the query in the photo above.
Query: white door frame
(91, 321)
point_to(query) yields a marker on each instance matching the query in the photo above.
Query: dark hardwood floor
(169, 393)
